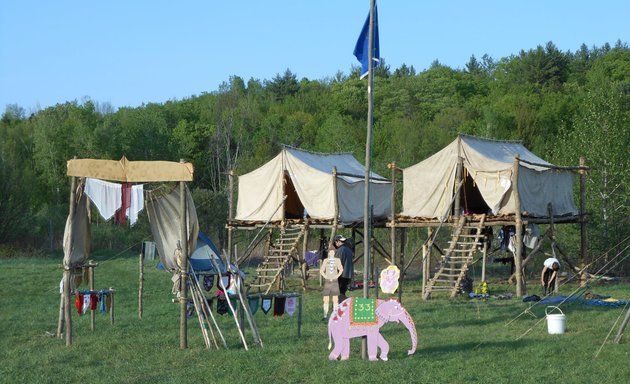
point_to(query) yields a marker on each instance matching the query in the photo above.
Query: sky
(127, 53)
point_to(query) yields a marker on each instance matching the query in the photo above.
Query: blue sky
(127, 53)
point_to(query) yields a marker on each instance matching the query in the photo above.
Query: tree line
(561, 105)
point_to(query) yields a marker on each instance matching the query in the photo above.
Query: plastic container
(556, 322)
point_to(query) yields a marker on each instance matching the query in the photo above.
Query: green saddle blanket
(363, 311)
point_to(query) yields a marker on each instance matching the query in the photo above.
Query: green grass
(460, 340)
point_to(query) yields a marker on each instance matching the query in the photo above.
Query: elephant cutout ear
(389, 279)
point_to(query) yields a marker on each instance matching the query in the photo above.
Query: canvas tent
(307, 179)
(488, 165)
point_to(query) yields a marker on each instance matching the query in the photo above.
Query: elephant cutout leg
(372, 344)
(337, 349)
(384, 347)
(345, 349)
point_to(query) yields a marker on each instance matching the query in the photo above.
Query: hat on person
(340, 238)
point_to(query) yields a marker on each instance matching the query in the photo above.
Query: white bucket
(555, 322)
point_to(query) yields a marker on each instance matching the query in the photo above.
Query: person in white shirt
(549, 274)
(330, 270)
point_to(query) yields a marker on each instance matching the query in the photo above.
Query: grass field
(460, 340)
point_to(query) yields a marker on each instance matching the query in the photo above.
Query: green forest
(561, 105)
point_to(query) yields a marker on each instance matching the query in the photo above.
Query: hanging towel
(136, 203)
(290, 305)
(106, 196)
(278, 306)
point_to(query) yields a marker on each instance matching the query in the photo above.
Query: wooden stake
(141, 281)
(518, 222)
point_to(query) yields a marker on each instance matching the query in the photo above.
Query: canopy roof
(428, 186)
(306, 178)
(130, 171)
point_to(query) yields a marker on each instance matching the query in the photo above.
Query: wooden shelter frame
(307, 223)
(129, 171)
(400, 223)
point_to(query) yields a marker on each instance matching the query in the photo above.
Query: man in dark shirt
(344, 253)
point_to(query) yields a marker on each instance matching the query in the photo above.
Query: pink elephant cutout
(341, 329)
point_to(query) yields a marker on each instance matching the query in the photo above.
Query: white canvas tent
(307, 179)
(428, 186)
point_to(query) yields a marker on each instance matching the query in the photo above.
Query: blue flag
(361, 49)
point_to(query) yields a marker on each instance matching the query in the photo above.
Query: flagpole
(367, 232)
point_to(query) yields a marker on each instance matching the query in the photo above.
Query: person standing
(330, 270)
(549, 274)
(344, 253)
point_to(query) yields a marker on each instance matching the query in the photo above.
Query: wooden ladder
(280, 253)
(457, 259)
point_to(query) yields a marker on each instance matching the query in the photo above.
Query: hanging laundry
(78, 303)
(136, 204)
(93, 301)
(266, 304)
(102, 295)
(290, 305)
(531, 236)
(125, 201)
(222, 306)
(106, 196)
(86, 303)
(253, 302)
(208, 281)
(278, 306)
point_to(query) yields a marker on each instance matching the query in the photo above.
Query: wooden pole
(336, 206)
(92, 311)
(484, 254)
(140, 280)
(302, 259)
(392, 220)
(299, 320)
(247, 310)
(111, 309)
(61, 316)
(622, 327)
(183, 267)
(583, 223)
(67, 309)
(426, 260)
(518, 265)
(403, 240)
(230, 212)
(368, 166)
(458, 177)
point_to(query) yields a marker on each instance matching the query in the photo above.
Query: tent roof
(130, 171)
(345, 162)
